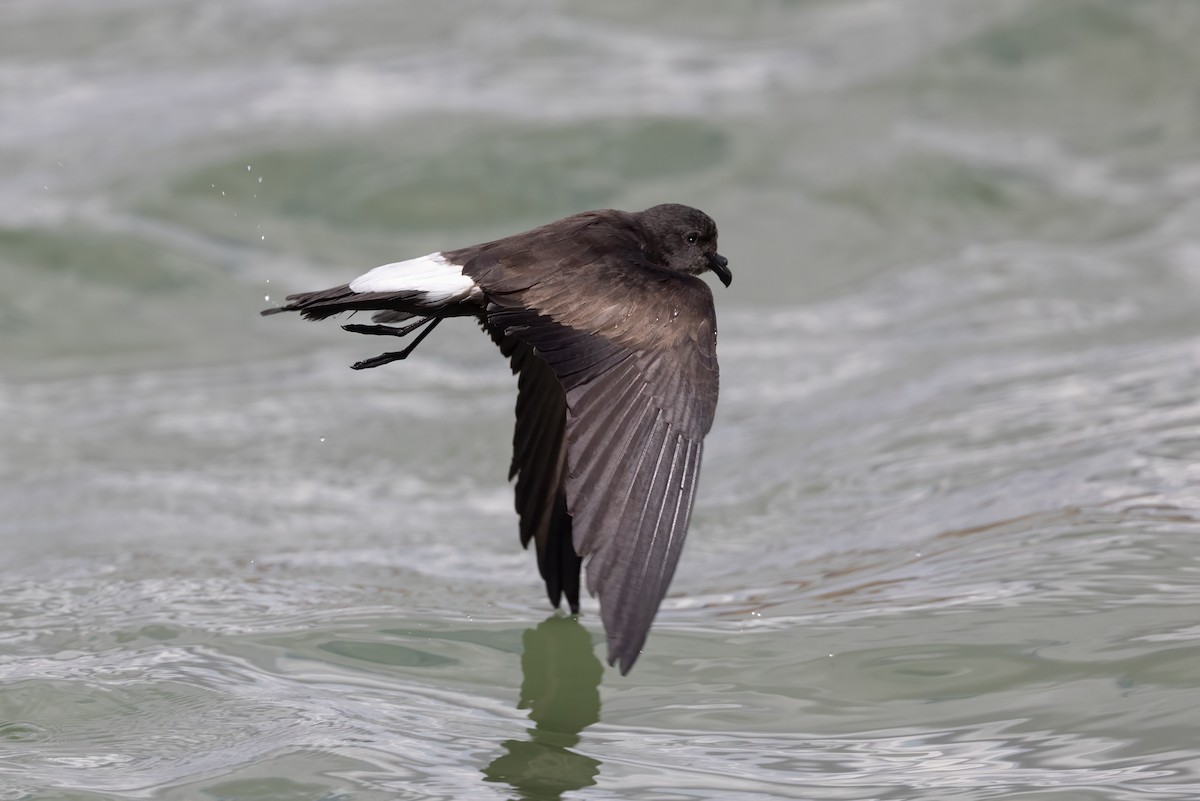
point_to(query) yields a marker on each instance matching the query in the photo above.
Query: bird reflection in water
(561, 690)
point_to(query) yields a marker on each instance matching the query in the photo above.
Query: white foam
(436, 278)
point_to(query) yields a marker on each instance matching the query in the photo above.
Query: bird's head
(684, 239)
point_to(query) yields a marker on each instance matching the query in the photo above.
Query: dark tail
(328, 302)
(388, 306)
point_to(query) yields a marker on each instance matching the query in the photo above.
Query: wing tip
(624, 650)
(627, 658)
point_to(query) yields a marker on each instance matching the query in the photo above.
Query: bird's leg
(386, 330)
(385, 358)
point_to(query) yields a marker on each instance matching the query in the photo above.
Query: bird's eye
(692, 237)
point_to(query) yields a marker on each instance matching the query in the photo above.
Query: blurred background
(945, 545)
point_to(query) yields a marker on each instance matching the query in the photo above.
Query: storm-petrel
(613, 338)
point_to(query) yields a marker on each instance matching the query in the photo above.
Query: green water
(945, 545)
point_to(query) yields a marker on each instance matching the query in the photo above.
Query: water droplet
(260, 179)
(247, 168)
(262, 238)
(266, 298)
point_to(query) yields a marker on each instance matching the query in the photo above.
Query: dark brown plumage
(613, 339)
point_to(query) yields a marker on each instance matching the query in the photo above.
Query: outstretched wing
(640, 391)
(539, 465)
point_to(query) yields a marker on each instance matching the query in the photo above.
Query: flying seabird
(613, 338)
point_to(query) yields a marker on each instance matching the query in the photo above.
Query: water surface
(946, 539)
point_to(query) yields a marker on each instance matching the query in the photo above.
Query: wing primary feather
(667, 489)
(615, 549)
(541, 437)
(680, 516)
(612, 424)
(533, 405)
(605, 516)
(599, 475)
(639, 557)
(641, 597)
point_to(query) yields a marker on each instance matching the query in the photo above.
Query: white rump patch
(437, 279)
